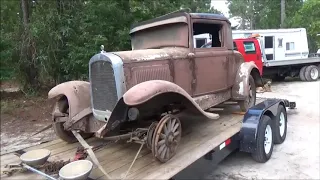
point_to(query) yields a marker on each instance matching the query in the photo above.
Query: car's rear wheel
(251, 99)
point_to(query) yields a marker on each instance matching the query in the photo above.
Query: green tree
(309, 17)
(262, 14)
(10, 24)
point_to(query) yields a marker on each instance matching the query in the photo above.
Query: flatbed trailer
(304, 61)
(202, 141)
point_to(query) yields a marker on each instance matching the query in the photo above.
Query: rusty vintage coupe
(137, 94)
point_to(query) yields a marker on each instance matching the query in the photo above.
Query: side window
(235, 46)
(268, 42)
(249, 47)
(214, 31)
(290, 46)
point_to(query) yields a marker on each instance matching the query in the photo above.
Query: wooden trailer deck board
(199, 136)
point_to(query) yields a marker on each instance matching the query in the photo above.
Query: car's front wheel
(58, 127)
(251, 99)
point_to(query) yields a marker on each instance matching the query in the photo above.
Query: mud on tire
(251, 100)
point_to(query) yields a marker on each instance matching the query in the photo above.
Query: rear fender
(78, 96)
(240, 87)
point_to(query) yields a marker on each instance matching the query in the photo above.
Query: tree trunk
(283, 13)
(243, 23)
(28, 64)
(25, 12)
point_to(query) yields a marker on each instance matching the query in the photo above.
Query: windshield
(167, 35)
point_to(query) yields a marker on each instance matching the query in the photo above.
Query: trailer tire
(302, 72)
(264, 141)
(280, 125)
(312, 73)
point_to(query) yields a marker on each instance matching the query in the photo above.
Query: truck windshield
(168, 35)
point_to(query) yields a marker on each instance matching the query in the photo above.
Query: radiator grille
(104, 92)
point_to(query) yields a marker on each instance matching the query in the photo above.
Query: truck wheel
(264, 142)
(251, 100)
(280, 125)
(319, 70)
(312, 73)
(302, 72)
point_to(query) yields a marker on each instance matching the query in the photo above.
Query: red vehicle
(249, 48)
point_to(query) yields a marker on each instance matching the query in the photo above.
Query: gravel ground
(298, 157)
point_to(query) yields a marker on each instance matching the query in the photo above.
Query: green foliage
(265, 14)
(309, 17)
(9, 39)
(262, 14)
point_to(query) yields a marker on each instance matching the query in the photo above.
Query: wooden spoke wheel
(166, 138)
(150, 134)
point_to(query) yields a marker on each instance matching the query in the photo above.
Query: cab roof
(175, 17)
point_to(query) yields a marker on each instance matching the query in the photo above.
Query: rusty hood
(153, 54)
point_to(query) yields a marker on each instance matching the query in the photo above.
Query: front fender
(78, 95)
(240, 87)
(145, 91)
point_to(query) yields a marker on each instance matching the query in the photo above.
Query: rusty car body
(161, 76)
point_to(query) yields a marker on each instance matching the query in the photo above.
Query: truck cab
(250, 50)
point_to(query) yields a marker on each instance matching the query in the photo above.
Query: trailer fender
(251, 122)
(240, 87)
(78, 97)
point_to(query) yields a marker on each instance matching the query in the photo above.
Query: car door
(211, 63)
(252, 52)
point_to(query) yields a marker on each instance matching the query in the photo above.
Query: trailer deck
(273, 63)
(199, 137)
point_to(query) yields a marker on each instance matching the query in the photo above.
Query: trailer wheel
(264, 142)
(280, 125)
(312, 73)
(251, 100)
(302, 72)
